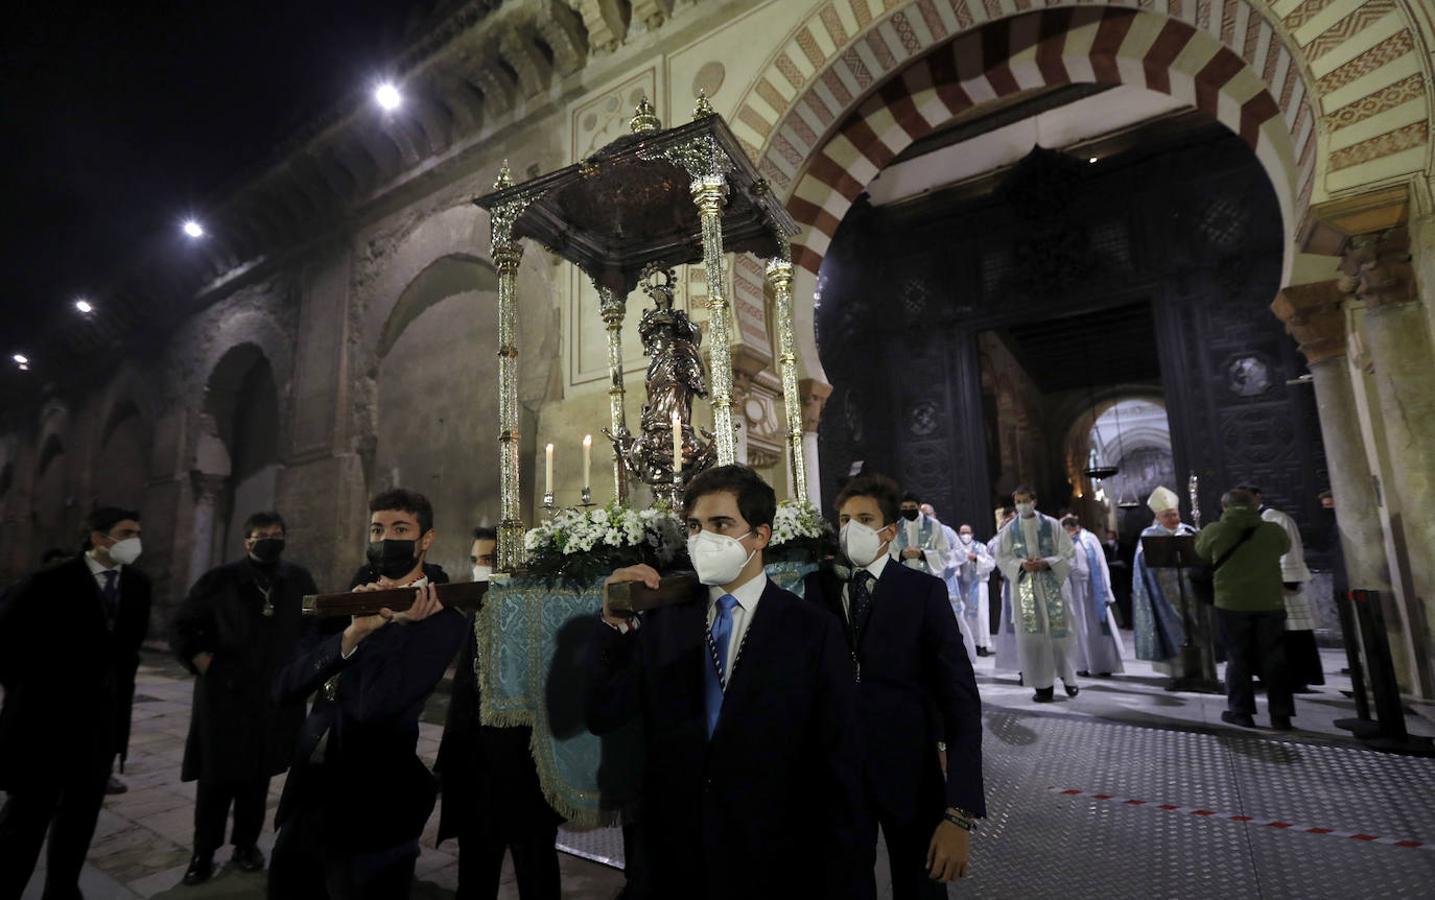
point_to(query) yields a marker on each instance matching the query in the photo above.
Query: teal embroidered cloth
(532, 671)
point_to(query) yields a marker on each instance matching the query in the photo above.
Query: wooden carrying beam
(623, 599)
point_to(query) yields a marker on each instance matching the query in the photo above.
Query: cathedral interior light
(193, 229)
(388, 97)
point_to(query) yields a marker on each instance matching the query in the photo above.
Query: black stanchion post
(1362, 725)
(1392, 736)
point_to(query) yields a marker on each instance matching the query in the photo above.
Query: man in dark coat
(916, 698)
(69, 649)
(752, 752)
(357, 795)
(237, 629)
(492, 800)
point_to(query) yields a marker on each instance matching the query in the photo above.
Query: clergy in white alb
(921, 543)
(1036, 556)
(1098, 640)
(949, 576)
(1302, 654)
(1004, 641)
(974, 568)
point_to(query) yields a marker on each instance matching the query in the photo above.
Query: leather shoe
(201, 869)
(1244, 720)
(1043, 695)
(248, 859)
(115, 786)
(1071, 689)
(1282, 723)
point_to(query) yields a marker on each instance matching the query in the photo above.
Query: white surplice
(1098, 640)
(1045, 633)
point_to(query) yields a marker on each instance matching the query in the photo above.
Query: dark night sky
(119, 118)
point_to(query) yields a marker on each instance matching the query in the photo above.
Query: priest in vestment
(1098, 640)
(1155, 594)
(921, 543)
(1035, 555)
(1302, 655)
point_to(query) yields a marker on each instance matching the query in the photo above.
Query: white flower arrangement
(797, 520)
(579, 543)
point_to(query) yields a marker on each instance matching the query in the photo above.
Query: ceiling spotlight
(193, 229)
(21, 359)
(84, 306)
(1092, 160)
(388, 97)
(24, 367)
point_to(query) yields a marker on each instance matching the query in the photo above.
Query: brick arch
(832, 139)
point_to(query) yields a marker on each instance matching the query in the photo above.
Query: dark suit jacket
(486, 773)
(373, 790)
(917, 689)
(767, 808)
(236, 730)
(68, 674)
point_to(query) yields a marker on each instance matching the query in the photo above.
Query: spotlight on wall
(21, 359)
(193, 229)
(24, 367)
(1092, 160)
(84, 306)
(388, 97)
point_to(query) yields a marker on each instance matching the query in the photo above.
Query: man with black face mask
(358, 795)
(237, 628)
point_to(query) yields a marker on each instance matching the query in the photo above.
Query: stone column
(202, 537)
(1377, 271)
(1314, 318)
(814, 397)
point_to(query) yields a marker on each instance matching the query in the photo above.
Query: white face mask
(718, 558)
(481, 573)
(1025, 510)
(965, 538)
(126, 551)
(860, 543)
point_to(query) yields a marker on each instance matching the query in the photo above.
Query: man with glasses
(69, 649)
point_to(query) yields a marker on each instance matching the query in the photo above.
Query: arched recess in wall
(122, 467)
(843, 99)
(242, 408)
(437, 404)
(51, 500)
(1130, 431)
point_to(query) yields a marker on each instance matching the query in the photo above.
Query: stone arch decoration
(851, 87)
(446, 276)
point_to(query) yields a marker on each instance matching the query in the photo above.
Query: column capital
(814, 397)
(1333, 224)
(1312, 315)
(1377, 268)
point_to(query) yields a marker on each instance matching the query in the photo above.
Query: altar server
(357, 796)
(1302, 655)
(1036, 557)
(1004, 642)
(1155, 593)
(1098, 640)
(915, 694)
(747, 699)
(921, 544)
(974, 568)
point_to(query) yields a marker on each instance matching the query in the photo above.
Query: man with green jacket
(1250, 607)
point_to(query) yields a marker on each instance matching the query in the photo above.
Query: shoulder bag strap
(1245, 536)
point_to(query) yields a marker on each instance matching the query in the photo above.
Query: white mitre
(1162, 499)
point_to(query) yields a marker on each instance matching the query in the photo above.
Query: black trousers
(907, 843)
(68, 808)
(304, 866)
(211, 813)
(535, 862)
(1255, 642)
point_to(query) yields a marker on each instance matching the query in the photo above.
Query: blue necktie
(716, 669)
(111, 593)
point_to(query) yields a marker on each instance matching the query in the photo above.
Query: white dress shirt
(875, 567)
(747, 595)
(98, 571)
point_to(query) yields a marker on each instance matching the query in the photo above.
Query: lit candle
(548, 470)
(677, 445)
(587, 459)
